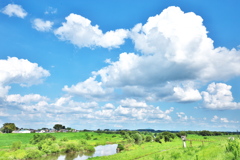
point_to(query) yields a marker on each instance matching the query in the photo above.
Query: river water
(102, 150)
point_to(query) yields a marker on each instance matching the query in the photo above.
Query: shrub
(82, 142)
(71, 147)
(20, 154)
(64, 139)
(181, 133)
(16, 145)
(89, 148)
(149, 138)
(233, 147)
(47, 142)
(95, 139)
(168, 136)
(48, 149)
(121, 147)
(158, 139)
(34, 153)
(137, 138)
(38, 138)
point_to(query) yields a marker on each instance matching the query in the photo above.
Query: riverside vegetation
(132, 145)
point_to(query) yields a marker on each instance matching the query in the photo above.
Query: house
(41, 131)
(24, 131)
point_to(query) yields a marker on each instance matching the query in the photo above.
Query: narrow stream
(101, 150)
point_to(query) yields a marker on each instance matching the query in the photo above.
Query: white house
(24, 131)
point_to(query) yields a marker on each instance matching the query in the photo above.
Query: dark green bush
(149, 138)
(121, 147)
(137, 138)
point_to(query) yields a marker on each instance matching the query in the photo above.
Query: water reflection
(102, 150)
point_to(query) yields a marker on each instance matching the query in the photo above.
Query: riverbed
(101, 150)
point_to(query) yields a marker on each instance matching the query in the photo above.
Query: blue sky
(168, 65)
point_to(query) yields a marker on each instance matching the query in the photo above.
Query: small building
(41, 131)
(24, 131)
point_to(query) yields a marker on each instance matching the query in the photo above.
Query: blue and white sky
(160, 64)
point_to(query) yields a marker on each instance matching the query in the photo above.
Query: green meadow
(213, 150)
(200, 148)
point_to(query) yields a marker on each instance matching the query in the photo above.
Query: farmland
(201, 147)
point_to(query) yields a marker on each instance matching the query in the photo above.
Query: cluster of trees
(58, 127)
(209, 133)
(140, 137)
(8, 127)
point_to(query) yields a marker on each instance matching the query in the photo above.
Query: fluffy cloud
(26, 98)
(176, 49)
(89, 89)
(186, 94)
(182, 116)
(217, 119)
(41, 25)
(108, 106)
(20, 71)
(79, 31)
(187, 53)
(36, 109)
(14, 10)
(14, 70)
(219, 96)
(132, 103)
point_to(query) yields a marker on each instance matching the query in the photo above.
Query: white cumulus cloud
(26, 98)
(89, 89)
(41, 25)
(186, 94)
(14, 10)
(219, 96)
(14, 70)
(79, 31)
(132, 103)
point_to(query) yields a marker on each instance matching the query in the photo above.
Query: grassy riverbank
(215, 149)
(6, 140)
(201, 148)
(18, 146)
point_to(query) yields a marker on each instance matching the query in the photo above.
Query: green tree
(8, 127)
(149, 138)
(58, 127)
(181, 133)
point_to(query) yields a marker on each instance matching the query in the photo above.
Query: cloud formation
(38, 108)
(41, 25)
(90, 89)
(20, 71)
(79, 31)
(219, 96)
(175, 50)
(14, 10)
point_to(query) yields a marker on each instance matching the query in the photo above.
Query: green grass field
(214, 150)
(6, 140)
(214, 147)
